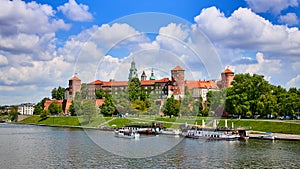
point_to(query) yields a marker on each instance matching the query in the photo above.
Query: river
(27, 146)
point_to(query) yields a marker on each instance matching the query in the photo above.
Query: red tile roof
(99, 102)
(96, 82)
(125, 83)
(147, 82)
(177, 68)
(191, 84)
(75, 78)
(163, 80)
(152, 82)
(115, 83)
(227, 70)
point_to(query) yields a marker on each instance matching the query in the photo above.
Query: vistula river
(26, 146)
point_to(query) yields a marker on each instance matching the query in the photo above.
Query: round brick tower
(227, 77)
(177, 74)
(74, 86)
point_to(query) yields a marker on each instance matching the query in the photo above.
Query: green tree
(139, 105)
(58, 93)
(245, 95)
(54, 109)
(13, 113)
(89, 109)
(39, 107)
(108, 107)
(187, 104)
(198, 107)
(84, 91)
(171, 107)
(122, 102)
(154, 102)
(216, 101)
(44, 114)
(77, 104)
(134, 89)
(100, 93)
(72, 109)
(144, 95)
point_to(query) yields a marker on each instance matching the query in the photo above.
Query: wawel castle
(165, 87)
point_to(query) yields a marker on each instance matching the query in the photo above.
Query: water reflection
(24, 146)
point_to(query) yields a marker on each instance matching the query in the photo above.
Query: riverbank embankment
(278, 136)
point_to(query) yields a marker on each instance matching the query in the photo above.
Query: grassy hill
(277, 126)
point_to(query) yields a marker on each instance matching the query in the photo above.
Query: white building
(26, 109)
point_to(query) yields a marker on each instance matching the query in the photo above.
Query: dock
(279, 136)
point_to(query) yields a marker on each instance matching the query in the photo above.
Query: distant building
(26, 109)
(74, 87)
(164, 87)
(227, 77)
(177, 85)
(65, 104)
(199, 89)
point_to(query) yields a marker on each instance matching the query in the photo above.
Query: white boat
(268, 136)
(171, 132)
(216, 135)
(126, 134)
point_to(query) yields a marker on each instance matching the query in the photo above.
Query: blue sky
(43, 43)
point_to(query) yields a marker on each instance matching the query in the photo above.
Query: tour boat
(124, 133)
(171, 132)
(215, 135)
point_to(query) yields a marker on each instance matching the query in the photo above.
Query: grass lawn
(65, 121)
(289, 127)
(276, 126)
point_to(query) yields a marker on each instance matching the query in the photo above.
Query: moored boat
(208, 134)
(171, 132)
(268, 136)
(124, 133)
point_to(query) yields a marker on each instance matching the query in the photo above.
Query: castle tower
(132, 71)
(74, 86)
(227, 77)
(143, 77)
(177, 74)
(152, 77)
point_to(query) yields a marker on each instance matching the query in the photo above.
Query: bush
(44, 114)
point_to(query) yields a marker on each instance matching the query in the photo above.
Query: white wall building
(26, 109)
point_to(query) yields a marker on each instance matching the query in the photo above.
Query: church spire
(132, 71)
(152, 77)
(144, 76)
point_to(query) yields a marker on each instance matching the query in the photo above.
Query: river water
(26, 146)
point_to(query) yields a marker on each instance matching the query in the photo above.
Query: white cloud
(274, 6)
(30, 18)
(269, 68)
(3, 60)
(112, 35)
(174, 30)
(289, 19)
(213, 14)
(89, 50)
(48, 72)
(76, 12)
(247, 31)
(294, 82)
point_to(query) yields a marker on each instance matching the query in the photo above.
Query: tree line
(252, 95)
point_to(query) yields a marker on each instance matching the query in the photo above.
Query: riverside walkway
(279, 136)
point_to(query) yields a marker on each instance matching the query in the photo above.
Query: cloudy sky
(44, 43)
